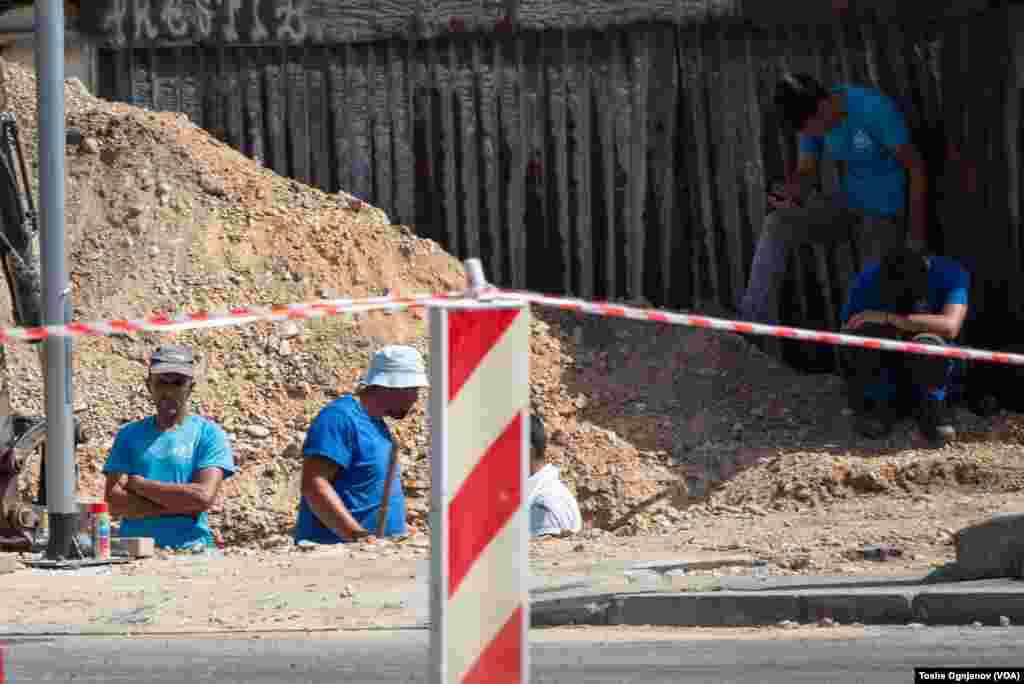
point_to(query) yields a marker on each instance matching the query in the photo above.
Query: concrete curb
(880, 606)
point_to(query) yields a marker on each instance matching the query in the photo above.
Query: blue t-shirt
(361, 447)
(866, 140)
(948, 283)
(173, 457)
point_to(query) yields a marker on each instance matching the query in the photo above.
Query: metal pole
(61, 502)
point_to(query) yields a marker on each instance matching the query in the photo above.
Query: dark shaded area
(701, 206)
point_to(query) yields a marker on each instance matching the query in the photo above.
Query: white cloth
(553, 508)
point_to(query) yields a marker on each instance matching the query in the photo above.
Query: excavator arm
(21, 437)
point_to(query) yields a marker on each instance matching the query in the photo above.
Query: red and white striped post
(479, 413)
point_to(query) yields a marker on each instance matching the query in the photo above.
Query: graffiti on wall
(228, 21)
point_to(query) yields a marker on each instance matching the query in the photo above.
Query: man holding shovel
(351, 485)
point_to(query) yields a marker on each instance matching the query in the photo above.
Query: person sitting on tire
(907, 296)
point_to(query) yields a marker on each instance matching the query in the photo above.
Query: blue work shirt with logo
(174, 457)
(948, 283)
(874, 181)
(360, 445)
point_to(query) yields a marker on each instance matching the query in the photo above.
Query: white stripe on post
(479, 467)
(485, 403)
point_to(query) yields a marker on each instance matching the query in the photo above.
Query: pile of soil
(644, 418)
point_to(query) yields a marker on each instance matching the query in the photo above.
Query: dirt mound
(801, 481)
(163, 218)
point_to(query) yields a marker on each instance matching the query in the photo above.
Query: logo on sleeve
(862, 141)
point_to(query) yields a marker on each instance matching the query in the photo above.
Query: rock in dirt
(89, 146)
(257, 431)
(214, 186)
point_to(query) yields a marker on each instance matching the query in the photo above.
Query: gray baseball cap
(173, 358)
(396, 366)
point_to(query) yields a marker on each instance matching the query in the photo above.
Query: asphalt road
(884, 655)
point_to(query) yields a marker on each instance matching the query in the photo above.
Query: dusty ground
(377, 585)
(360, 586)
(673, 439)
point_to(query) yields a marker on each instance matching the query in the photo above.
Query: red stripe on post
(488, 498)
(471, 336)
(502, 660)
(122, 325)
(81, 329)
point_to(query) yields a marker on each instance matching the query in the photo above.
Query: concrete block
(135, 547)
(587, 610)
(707, 610)
(962, 607)
(994, 548)
(867, 608)
(9, 563)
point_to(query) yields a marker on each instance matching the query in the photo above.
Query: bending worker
(348, 450)
(912, 297)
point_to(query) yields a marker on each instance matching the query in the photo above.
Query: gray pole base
(63, 531)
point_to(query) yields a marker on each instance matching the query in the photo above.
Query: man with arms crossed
(164, 471)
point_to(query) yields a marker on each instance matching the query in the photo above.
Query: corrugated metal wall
(630, 163)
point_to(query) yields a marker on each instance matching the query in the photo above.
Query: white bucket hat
(396, 366)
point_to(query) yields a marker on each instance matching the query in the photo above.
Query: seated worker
(348, 449)
(164, 472)
(553, 508)
(913, 297)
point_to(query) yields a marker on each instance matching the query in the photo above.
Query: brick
(136, 547)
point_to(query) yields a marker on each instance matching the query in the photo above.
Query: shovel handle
(382, 519)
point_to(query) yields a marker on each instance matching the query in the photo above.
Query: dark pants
(894, 377)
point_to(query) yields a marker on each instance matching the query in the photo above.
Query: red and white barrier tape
(334, 307)
(236, 316)
(653, 315)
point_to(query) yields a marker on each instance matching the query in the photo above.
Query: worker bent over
(348, 450)
(912, 297)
